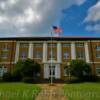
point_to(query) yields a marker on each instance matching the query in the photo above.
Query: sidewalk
(51, 92)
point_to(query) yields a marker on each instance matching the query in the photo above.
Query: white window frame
(2, 70)
(96, 71)
(66, 44)
(79, 44)
(37, 53)
(97, 47)
(97, 55)
(4, 55)
(66, 71)
(24, 45)
(38, 45)
(80, 55)
(67, 55)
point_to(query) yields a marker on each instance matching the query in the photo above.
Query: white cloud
(31, 17)
(93, 16)
(93, 13)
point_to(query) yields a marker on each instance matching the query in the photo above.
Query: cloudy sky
(20, 18)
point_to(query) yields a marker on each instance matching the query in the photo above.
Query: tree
(27, 68)
(79, 68)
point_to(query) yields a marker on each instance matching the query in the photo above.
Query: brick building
(64, 49)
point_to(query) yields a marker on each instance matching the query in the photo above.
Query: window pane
(97, 54)
(66, 44)
(66, 55)
(38, 44)
(24, 45)
(79, 44)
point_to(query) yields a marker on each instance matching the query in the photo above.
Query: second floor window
(80, 54)
(52, 54)
(4, 55)
(97, 47)
(97, 54)
(24, 45)
(38, 54)
(79, 44)
(66, 55)
(5, 47)
(24, 55)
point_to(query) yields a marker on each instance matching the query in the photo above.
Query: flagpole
(51, 81)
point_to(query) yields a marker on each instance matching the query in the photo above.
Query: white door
(46, 71)
(57, 72)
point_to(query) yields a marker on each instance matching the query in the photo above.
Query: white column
(87, 52)
(44, 52)
(57, 71)
(17, 52)
(73, 51)
(46, 71)
(30, 51)
(59, 53)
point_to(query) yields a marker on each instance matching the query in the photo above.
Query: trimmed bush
(73, 80)
(91, 78)
(7, 77)
(16, 76)
(28, 80)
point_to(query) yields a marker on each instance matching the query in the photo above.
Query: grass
(18, 91)
(82, 91)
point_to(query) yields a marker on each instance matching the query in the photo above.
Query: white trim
(57, 71)
(17, 52)
(59, 53)
(8, 41)
(46, 71)
(73, 51)
(87, 52)
(44, 52)
(30, 50)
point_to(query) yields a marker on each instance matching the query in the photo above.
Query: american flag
(57, 29)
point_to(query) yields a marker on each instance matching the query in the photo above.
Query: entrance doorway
(51, 71)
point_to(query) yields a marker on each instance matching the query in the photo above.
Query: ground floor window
(66, 71)
(2, 70)
(98, 71)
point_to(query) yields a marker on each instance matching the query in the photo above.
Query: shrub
(28, 68)
(91, 78)
(28, 80)
(74, 80)
(7, 77)
(80, 68)
(16, 76)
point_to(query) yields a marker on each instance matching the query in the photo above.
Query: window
(80, 54)
(53, 45)
(24, 55)
(97, 54)
(4, 55)
(97, 47)
(38, 54)
(52, 54)
(66, 44)
(2, 70)
(24, 45)
(66, 71)
(66, 55)
(5, 47)
(80, 44)
(38, 44)
(98, 70)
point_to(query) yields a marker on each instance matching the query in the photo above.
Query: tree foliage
(80, 68)
(27, 68)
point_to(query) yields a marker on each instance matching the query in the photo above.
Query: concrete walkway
(51, 92)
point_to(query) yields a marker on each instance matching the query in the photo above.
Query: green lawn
(18, 91)
(82, 91)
